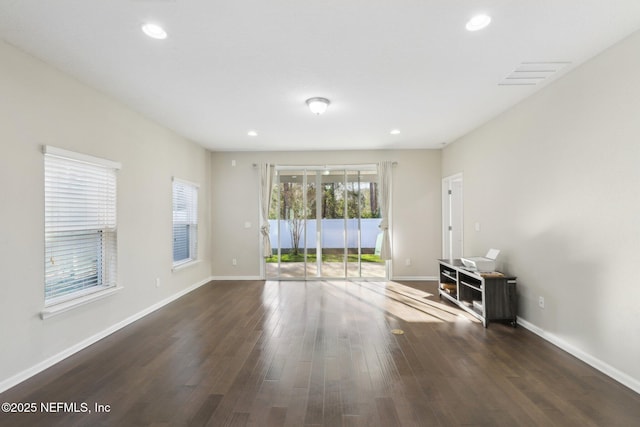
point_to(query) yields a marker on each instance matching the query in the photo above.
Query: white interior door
(452, 219)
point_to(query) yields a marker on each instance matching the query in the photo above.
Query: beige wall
(39, 105)
(416, 206)
(554, 183)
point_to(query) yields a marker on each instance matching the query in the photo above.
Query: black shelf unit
(487, 296)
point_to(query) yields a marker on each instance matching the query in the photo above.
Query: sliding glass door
(332, 224)
(324, 224)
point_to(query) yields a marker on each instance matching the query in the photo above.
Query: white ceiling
(232, 66)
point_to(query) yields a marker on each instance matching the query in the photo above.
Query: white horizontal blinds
(185, 221)
(80, 226)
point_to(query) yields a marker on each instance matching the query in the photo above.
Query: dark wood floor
(322, 354)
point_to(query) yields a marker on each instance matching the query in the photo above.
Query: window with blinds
(80, 225)
(185, 222)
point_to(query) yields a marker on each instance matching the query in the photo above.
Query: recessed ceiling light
(154, 31)
(252, 133)
(395, 132)
(478, 22)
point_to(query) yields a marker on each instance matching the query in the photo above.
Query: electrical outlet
(234, 262)
(541, 302)
(157, 282)
(407, 262)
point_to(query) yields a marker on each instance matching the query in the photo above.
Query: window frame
(71, 180)
(190, 220)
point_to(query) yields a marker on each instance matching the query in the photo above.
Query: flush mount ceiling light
(478, 22)
(395, 132)
(318, 105)
(154, 31)
(252, 133)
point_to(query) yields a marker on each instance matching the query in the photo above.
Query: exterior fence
(333, 233)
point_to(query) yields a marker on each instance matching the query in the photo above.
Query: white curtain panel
(384, 189)
(266, 178)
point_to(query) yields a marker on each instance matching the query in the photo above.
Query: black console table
(487, 296)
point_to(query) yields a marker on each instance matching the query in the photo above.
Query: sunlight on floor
(403, 302)
(414, 305)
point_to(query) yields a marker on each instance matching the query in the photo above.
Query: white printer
(482, 264)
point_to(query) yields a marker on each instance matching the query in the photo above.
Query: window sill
(62, 307)
(185, 264)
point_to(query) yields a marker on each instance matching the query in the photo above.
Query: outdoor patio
(329, 269)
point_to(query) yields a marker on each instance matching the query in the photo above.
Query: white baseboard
(237, 278)
(598, 364)
(415, 278)
(47, 363)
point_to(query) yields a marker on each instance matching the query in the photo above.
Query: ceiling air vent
(532, 73)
